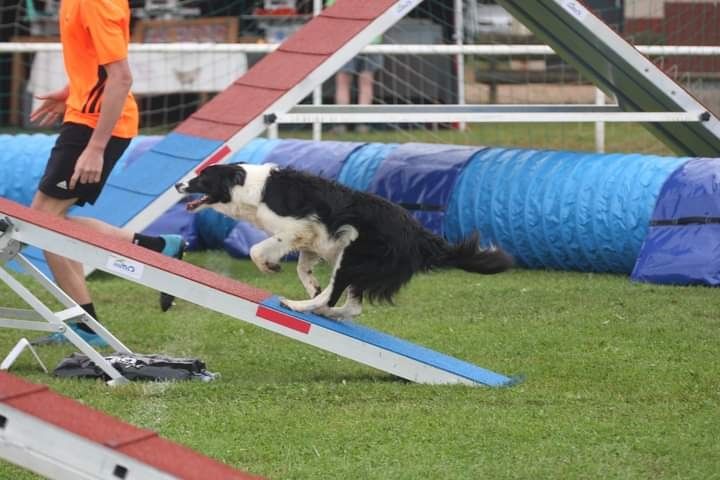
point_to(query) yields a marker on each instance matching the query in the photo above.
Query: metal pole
(599, 126)
(460, 57)
(317, 93)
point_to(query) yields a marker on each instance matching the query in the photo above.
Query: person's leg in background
(343, 89)
(368, 66)
(54, 197)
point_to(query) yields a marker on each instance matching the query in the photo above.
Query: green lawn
(619, 137)
(621, 381)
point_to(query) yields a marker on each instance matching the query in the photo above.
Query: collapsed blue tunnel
(549, 209)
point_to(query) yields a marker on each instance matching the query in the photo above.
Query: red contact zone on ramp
(283, 319)
(277, 73)
(143, 445)
(134, 252)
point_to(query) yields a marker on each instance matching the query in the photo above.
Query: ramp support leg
(42, 318)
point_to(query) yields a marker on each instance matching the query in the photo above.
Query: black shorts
(71, 142)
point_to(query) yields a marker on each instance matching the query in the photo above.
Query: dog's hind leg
(348, 235)
(266, 255)
(320, 300)
(306, 262)
(348, 311)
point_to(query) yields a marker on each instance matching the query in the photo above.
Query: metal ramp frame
(591, 46)
(43, 318)
(210, 290)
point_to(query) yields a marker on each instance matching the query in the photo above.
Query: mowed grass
(619, 137)
(621, 381)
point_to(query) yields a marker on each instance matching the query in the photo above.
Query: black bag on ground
(135, 366)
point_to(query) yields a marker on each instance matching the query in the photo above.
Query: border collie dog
(373, 247)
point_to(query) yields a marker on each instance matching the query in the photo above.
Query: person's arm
(52, 107)
(117, 88)
(88, 168)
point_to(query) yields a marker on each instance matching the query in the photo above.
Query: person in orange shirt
(100, 117)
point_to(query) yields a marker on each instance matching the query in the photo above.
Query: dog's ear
(239, 176)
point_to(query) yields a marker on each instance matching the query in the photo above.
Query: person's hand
(51, 109)
(88, 168)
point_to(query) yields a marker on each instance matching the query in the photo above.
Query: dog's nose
(180, 187)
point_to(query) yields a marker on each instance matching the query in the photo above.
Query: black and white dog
(373, 246)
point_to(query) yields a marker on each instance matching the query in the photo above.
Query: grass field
(621, 381)
(620, 137)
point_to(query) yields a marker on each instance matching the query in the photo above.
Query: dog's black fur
(391, 245)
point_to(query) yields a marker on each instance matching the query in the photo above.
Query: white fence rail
(488, 50)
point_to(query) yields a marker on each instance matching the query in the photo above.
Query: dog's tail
(469, 256)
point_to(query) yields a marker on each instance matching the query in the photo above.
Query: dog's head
(215, 184)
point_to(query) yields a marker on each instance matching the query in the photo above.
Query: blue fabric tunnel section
(550, 209)
(319, 158)
(22, 162)
(362, 165)
(683, 245)
(560, 210)
(421, 177)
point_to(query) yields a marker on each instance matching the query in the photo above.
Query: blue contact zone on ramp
(401, 347)
(687, 250)
(560, 210)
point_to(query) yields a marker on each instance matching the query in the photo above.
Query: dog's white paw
(297, 305)
(335, 313)
(330, 313)
(290, 304)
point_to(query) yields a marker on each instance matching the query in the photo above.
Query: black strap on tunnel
(686, 221)
(421, 207)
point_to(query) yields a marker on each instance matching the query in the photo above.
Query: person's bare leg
(69, 274)
(343, 82)
(366, 80)
(104, 228)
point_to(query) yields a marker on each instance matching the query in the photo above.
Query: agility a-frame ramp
(20, 225)
(591, 46)
(62, 439)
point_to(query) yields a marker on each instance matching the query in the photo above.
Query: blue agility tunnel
(560, 210)
(549, 209)
(683, 245)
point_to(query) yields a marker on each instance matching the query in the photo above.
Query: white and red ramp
(62, 439)
(20, 225)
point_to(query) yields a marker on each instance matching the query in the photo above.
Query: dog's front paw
(273, 267)
(284, 302)
(268, 267)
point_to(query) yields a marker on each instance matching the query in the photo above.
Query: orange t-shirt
(95, 33)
